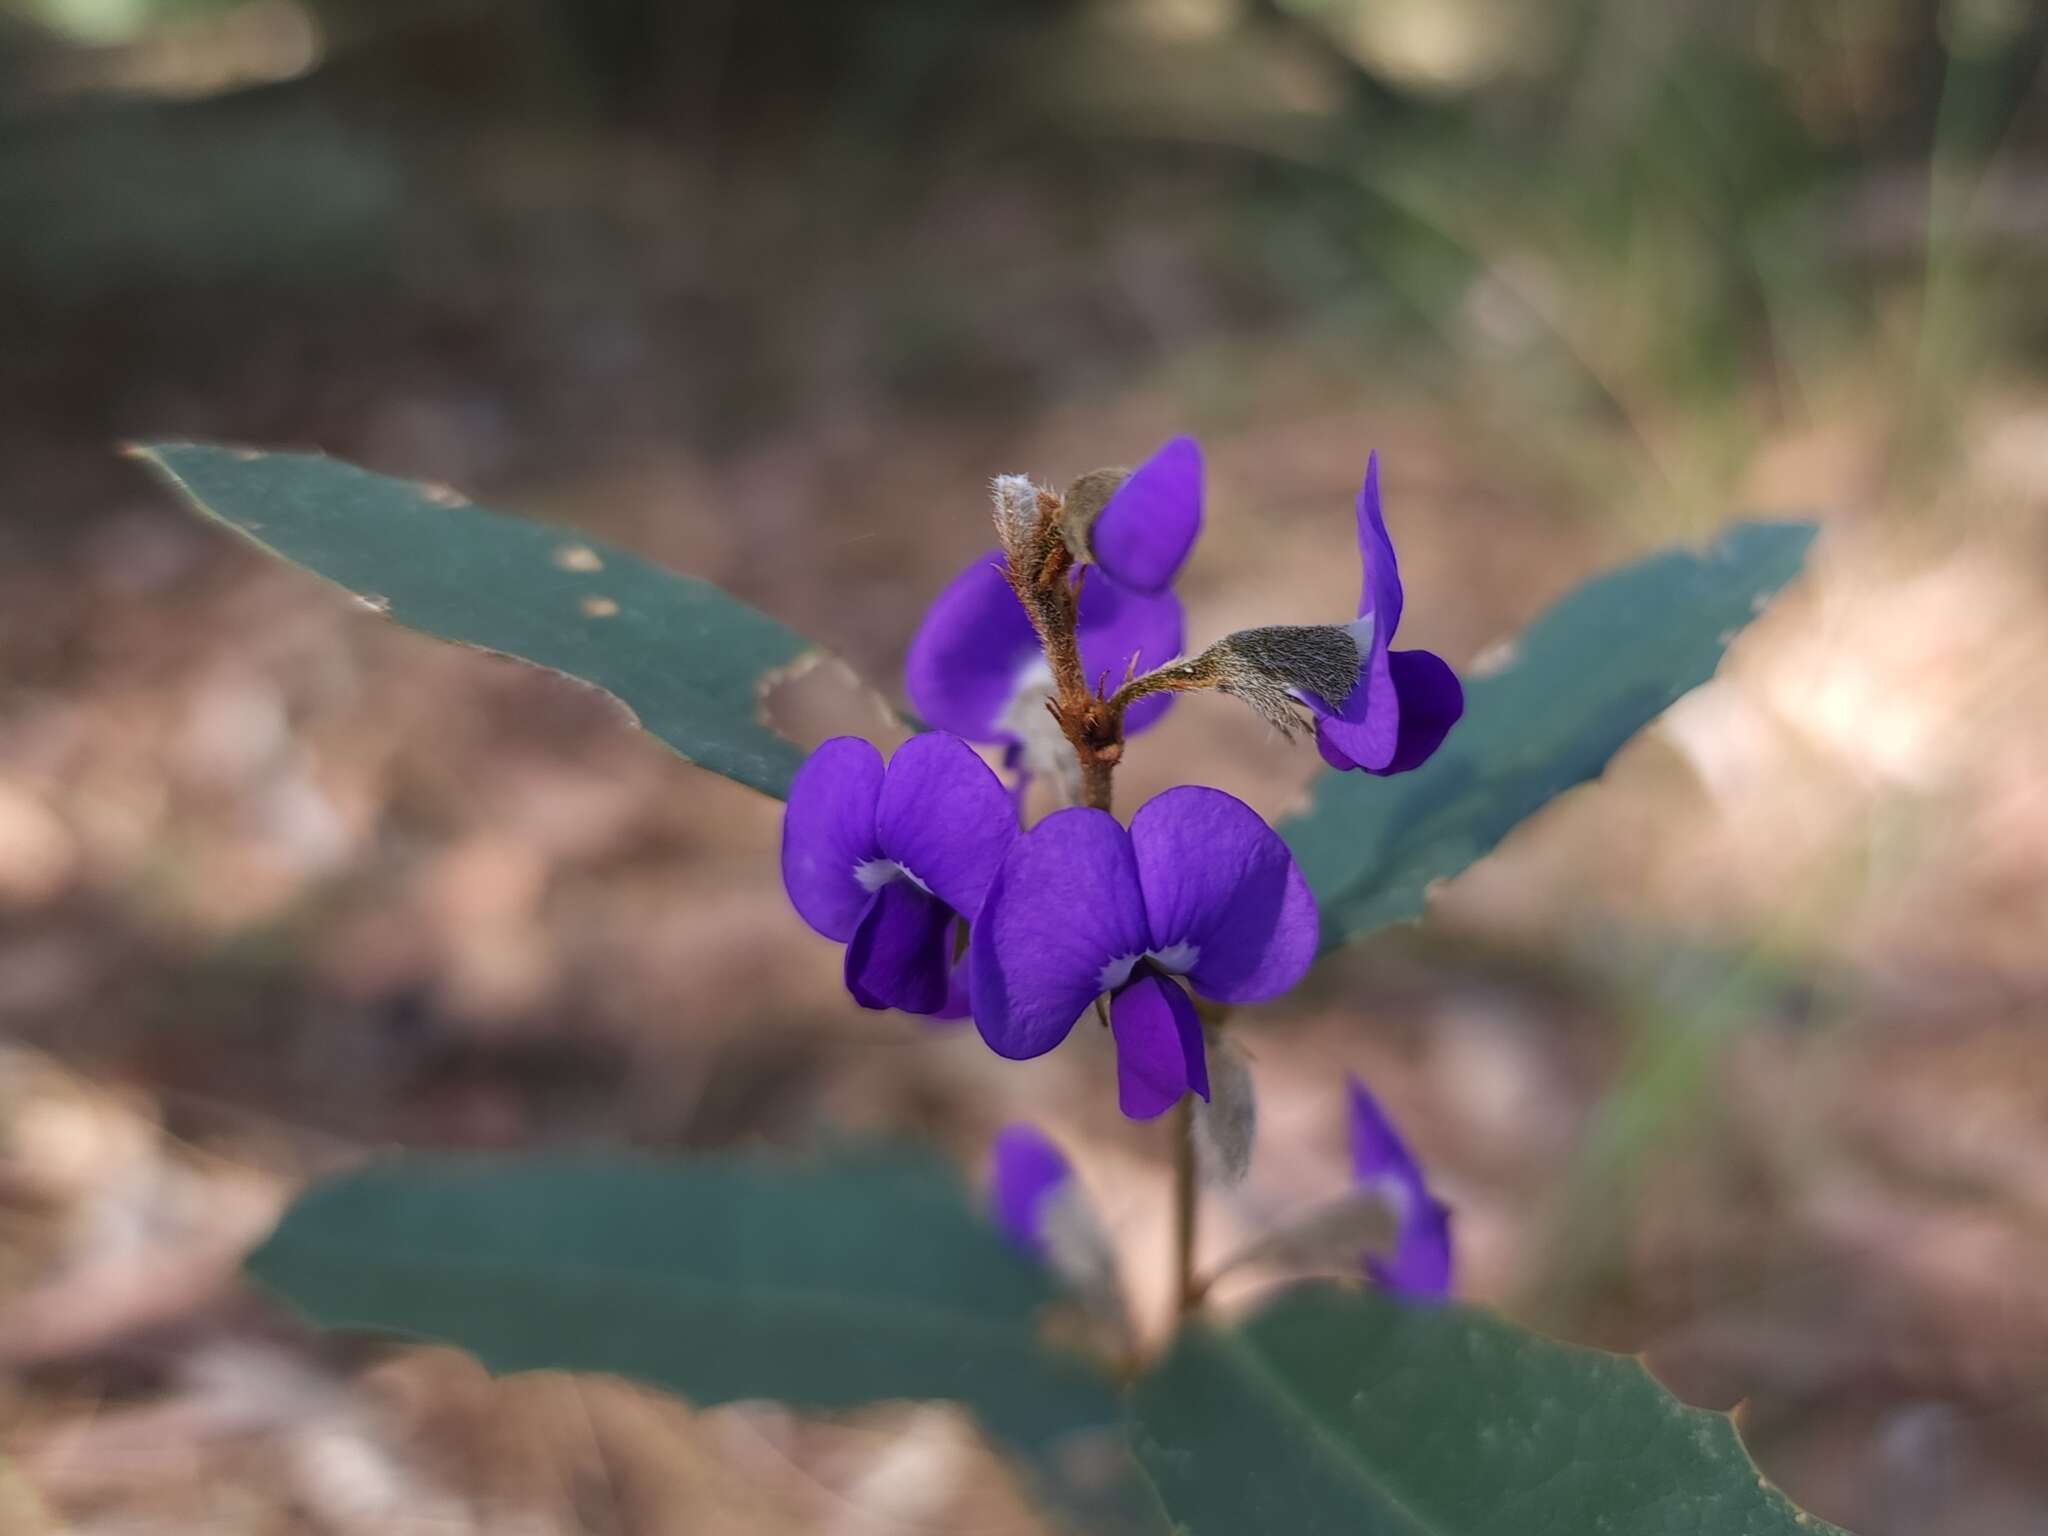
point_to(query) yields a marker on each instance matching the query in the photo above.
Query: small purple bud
(1420, 1265)
(1026, 1173)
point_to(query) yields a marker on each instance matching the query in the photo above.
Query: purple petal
(1421, 1261)
(1376, 1147)
(1432, 700)
(828, 830)
(1364, 729)
(1020, 776)
(1217, 877)
(1420, 1266)
(1117, 626)
(1393, 724)
(969, 652)
(1025, 1172)
(1380, 589)
(1159, 1054)
(1065, 904)
(899, 956)
(945, 816)
(957, 1005)
(1334, 755)
(1141, 537)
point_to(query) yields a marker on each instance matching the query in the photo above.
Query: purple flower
(1144, 531)
(1420, 1265)
(975, 667)
(1405, 702)
(1027, 1175)
(887, 861)
(1198, 887)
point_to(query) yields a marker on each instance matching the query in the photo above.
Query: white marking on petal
(1360, 630)
(1393, 1190)
(1118, 971)
(873, 874)
(1047, 753)
(1177, 958)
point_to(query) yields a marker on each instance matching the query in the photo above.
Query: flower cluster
(976, 667)
(1054, 648)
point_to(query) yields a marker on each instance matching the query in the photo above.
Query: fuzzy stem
(1196, 676)
(1186, 1294)
(1054, 614)
(1095, 782)
(1040, 568)
(1175, 677)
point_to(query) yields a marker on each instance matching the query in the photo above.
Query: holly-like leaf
(689, 661)
(825, 1285)
(1345, 1413)
(1579, 682)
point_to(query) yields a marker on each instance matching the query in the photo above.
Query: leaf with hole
(690, 661)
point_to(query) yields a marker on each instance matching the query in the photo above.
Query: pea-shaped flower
(1405, 702)
(1199, 887)
(975, 667)
(1420, 1265)
(889, 861)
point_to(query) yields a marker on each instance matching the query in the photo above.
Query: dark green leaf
(824, 1285)
(688, 660)
(1584, 678)
(1345, 1413)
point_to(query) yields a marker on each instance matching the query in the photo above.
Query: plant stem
(1040, 569)
(1095, 782)
(1038, 566)
(1186, 1296)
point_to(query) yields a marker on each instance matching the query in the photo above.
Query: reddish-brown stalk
(1041, 571)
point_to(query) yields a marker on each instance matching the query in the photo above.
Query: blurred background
(1734, 1057)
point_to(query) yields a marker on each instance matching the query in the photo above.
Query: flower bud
(1016, 514)
(1084, 502)
(1271, 669)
